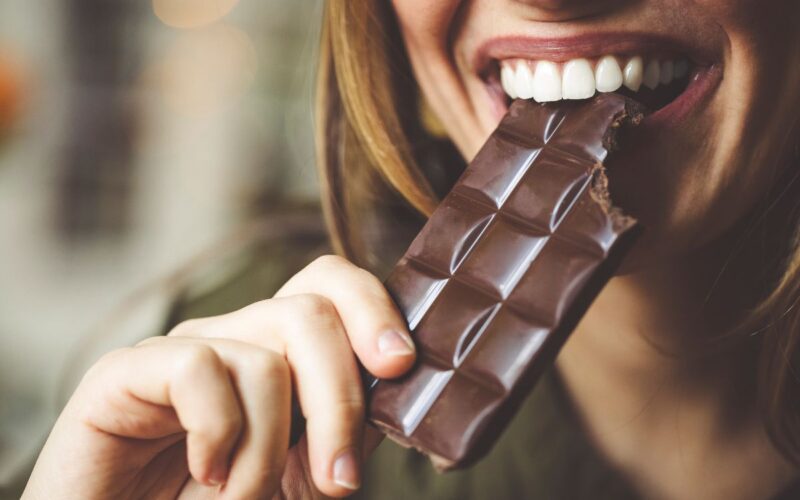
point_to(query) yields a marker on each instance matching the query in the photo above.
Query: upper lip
(587, 46)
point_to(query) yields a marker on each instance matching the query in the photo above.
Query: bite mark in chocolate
(501, 274)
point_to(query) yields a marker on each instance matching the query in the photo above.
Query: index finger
(377, 331)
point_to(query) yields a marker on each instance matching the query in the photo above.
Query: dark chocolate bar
(502, 273)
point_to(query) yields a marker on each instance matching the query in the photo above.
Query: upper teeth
(546, 81)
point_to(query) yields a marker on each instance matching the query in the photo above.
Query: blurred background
(135, 135)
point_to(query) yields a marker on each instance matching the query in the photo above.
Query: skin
(204, 412)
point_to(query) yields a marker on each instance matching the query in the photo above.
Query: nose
(566, 9)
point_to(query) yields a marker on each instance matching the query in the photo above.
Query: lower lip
(700, 88)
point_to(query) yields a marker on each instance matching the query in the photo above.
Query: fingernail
(394, 343)
(345, 470)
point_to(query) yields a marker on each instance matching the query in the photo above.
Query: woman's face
(724, 125)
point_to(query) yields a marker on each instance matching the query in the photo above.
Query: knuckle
(187, 327)
(256, 308)
(228, 426)
(225, 428)
(151, 341)
(266, 365)
(105, 363)
(350, 405)
(355, 277)
(329, 261)
(312, 305)
(96, 385)
(196, 358)
(374, 290)
(114, 356)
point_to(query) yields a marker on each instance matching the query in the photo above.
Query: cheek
(729, 8)
(757, 124)
(716, 169)
(426, 27)
(757, 20)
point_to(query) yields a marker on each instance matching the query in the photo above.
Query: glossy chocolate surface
(501, 274)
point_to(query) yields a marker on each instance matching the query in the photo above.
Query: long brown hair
(367, 136)
(363, 96)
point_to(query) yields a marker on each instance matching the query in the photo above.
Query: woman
(678, 380)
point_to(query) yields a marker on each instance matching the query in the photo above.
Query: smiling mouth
(655, 82)
(653, 71)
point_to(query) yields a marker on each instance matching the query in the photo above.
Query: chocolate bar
(501, 274)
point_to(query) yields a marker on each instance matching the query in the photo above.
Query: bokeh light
(192, 13)
(204, 70)
(10, 91)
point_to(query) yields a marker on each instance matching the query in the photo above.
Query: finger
(376, 329)
(263, 381)
(328, 389)
(307, 329)
(192, 379)
(265, 385)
